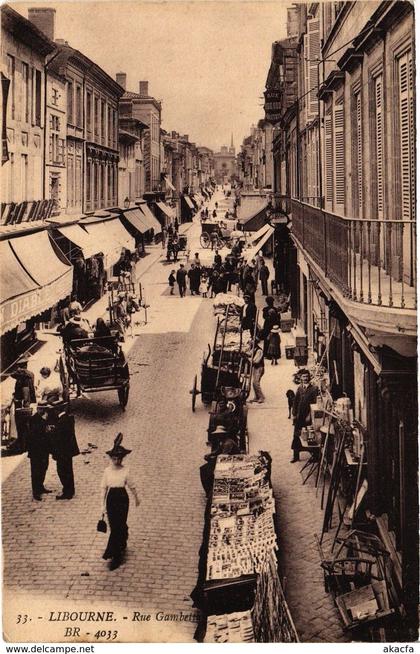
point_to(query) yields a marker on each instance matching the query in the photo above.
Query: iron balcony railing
(371, 261)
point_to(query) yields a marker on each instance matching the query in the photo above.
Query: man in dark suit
(38, 446)
(63, 448)
(180, 278)
(249, 314)
(306, 395)
(264, 275)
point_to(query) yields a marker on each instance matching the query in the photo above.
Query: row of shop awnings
(142, 219)
(35, 274)
(96, 236)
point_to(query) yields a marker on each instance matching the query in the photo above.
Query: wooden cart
(91, 365)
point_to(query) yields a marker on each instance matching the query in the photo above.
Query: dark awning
(150, 220)
(254, 220)
(136, 218)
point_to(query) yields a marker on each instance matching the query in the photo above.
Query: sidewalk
(298, 514)
(47, 353)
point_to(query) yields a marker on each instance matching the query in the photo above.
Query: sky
(206, 61)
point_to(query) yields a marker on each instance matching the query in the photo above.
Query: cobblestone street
(52, 551)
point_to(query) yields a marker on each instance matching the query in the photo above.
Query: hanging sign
(272, 105)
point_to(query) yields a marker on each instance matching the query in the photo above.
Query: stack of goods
(230, 628)
(242, 542)
(222, 300)
(241, 529)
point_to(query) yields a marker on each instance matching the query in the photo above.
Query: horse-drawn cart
(91, 365)
(229, 364)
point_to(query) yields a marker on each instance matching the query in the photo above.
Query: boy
(171, 280)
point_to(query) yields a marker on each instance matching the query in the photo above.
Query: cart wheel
(123, 396)
(194, 392)
(205, 240)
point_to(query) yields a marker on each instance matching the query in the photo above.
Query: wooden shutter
(312, 63)
(379, 132)
(306, 76)
(406, 120)
(339, 156)
(359, 154)
(328, 156)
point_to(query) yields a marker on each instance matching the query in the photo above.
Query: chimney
(121, 79)
(144, 89)
(43, 19)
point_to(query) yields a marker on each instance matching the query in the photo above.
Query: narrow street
(65, 568)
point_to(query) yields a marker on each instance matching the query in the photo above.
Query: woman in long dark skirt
(115, 502)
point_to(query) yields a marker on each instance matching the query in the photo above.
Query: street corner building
(128, 249)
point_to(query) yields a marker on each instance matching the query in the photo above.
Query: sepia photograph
(208, 312)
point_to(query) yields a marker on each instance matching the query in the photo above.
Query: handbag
(102, 526)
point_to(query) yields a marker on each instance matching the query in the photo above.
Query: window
(55, 97)
(25, 92)
(38, 96)
(24, 177)
(70, 118)
(378, 136)
(79, 108)
(359, 153)
(103, 121)
(70, 180)
(406, 133)
(328, 157)
(89, 112)
(56, 143)
(312, 53)
(11, 69)
(96, 117)
(110, 128)
(339, 182)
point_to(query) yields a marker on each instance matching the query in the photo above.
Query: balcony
(371, 262)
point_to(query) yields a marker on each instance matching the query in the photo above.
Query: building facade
(24, 51)
(344, 172)
(224, 163)
(91, 117)
(131, 178)
(143, 107)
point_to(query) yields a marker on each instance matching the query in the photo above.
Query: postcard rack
(239, 591)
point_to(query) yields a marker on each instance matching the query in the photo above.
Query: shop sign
(272, 105)
(17, 310)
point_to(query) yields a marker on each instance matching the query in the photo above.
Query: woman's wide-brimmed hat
(275, 329)
(117, 449)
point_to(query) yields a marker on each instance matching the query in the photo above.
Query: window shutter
(328, 156)
(306, 75)
(313, 56)
(406, 117)
(359, 154)
(379, 145)
(339, 155)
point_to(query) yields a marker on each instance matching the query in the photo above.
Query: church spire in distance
(232, 147)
